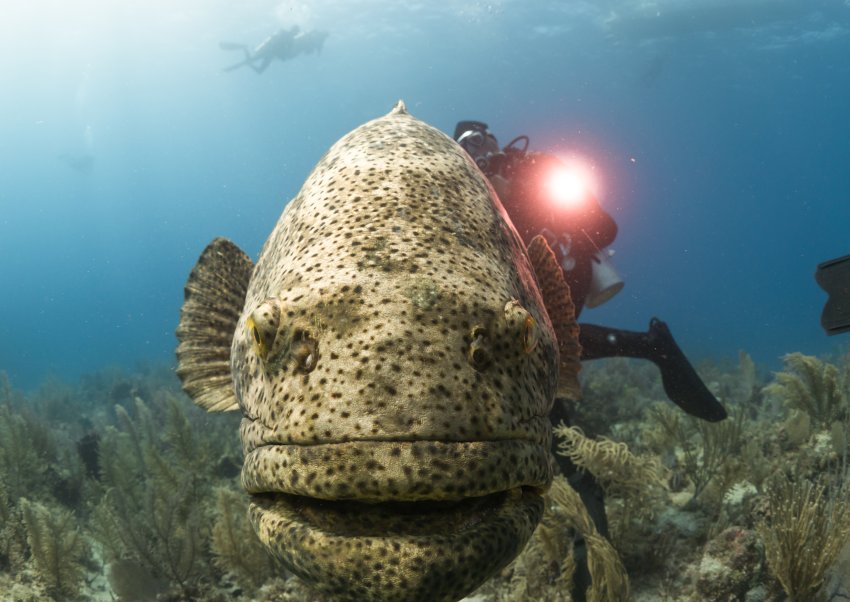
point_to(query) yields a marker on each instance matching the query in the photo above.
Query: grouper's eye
(530, 334)
(523, 325)
(262, 327)
(305, 350)
(479, 348)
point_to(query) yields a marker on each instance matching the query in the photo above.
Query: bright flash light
(571, 183)
(566, 187)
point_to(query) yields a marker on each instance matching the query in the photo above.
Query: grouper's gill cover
(394, 364)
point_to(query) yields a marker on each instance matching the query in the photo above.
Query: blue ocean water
(718, 129)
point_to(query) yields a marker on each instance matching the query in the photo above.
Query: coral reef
(707, 451)
(119, 488)
(804, 527)
(730, 566)
(544, 570)
(157, 475)
(57, 547)
(148, 517)
(28, 451)
(611, 403)
(617, 470)
(634, 485)
(609, 582)
(12, 534)
(818, 388)
(235, 544)
(126, 495)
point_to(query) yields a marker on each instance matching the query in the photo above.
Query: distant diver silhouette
(79, 162)
(283, 45)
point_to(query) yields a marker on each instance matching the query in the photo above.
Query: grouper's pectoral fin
(562, 313)
(214, 296)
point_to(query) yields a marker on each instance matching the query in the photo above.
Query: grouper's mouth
(398, 471)
(451, 513)
(348, 518)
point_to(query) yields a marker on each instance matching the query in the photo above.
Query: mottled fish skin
(394, 347)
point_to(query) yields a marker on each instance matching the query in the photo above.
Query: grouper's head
(395, 367)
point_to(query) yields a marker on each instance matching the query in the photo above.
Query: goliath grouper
(394, 362)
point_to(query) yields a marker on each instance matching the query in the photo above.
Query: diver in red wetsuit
(578, 233)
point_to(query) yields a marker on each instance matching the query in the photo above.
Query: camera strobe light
(570, 185)
(565, 187)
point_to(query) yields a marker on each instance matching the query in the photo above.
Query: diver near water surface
(283, 45)
(578, 230)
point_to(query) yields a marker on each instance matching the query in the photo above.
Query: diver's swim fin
(834, 277)
(682, 384)
(247, 61)
(231, 46)
(235, 66)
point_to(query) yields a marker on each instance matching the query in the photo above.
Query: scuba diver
(578, 230)
(578, 235)
(283, 45)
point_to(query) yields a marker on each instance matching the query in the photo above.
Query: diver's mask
(477, 140)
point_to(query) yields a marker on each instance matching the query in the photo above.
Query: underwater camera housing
(833, 276)
(605, 281)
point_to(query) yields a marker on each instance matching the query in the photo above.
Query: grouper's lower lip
(433, 550)
(397, 520)
(398, 471)
(403, 519)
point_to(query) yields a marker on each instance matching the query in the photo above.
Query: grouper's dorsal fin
(562, 313)
(214, 296)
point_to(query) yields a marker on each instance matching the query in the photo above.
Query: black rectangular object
(833, 276)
